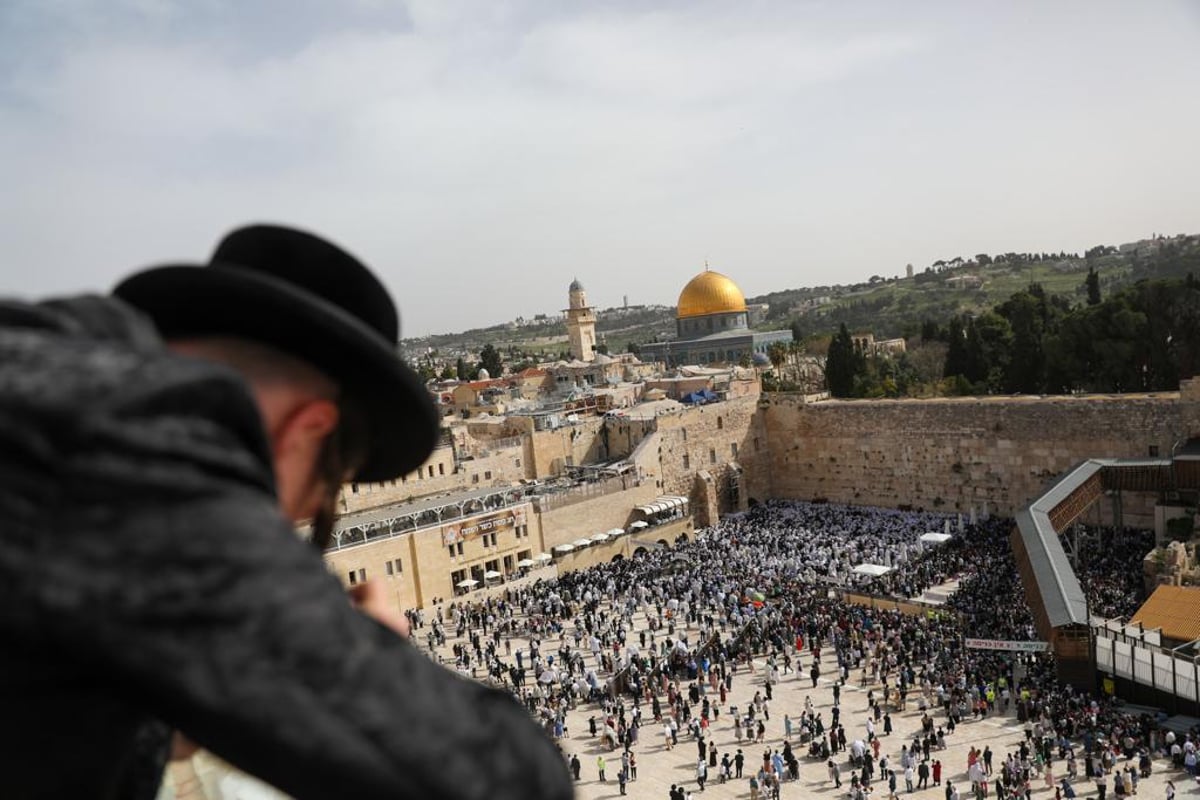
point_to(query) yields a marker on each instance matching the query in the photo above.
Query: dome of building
(576, 286)
(710, 293)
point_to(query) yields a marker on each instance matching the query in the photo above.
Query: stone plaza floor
(659, 768)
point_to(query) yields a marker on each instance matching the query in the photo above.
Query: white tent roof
(616, 532)
(564, 548)
(639, 524)
(600, 537)
(526, 562)
(664, 503)
(491, 574)
(935, 538)
(872, 569)
(543, 557)
(468, 583)
(582, 542)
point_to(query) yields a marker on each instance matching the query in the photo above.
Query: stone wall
(372, 558)
(716, 438)
(565, 524)
(955, 454)
(581, 443)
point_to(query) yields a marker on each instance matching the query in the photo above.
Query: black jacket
(146, 574)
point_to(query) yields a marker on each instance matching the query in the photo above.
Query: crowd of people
(652, 647)
(1108, 565)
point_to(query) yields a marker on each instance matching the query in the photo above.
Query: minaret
(581, 323)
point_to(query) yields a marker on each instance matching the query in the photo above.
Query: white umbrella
(492, 575)
(543, 557)
(526, 562)
(616, 532)
(600, 537)
(467, 584)
(564, 548)
(640, 524)
(582, 542)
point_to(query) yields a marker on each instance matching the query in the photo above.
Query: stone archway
(638, 552)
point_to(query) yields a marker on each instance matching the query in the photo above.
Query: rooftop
(1175, 610)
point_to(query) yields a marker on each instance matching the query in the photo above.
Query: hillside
(888, 307)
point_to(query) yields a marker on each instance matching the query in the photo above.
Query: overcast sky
(480, 155)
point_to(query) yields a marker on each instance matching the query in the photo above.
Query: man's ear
(307, 427)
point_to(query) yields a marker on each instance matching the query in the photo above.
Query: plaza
(564, 644)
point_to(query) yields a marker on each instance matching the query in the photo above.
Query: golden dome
(710, 293)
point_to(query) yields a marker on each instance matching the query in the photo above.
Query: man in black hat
(157, 449)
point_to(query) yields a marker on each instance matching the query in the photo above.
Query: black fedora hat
(311, 299)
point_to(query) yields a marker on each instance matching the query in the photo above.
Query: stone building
(581, 323)
(712, 326)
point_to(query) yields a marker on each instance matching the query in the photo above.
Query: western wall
(954, 454)
(962, 453)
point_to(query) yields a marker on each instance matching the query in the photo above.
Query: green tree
(840, 364)
(777, 353)
(489, 359)
(931, 332)
(1093, 287)
(448, 373)
(1033, 316)
(464, 371)
(990, 346)
(958, 360)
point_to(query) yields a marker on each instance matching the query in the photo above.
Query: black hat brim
(210, 300)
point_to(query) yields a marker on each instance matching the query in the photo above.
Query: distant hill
(889, 307)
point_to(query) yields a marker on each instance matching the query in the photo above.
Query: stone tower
(581, 323)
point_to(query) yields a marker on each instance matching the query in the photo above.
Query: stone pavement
(658, 767)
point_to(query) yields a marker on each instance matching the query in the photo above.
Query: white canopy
(467, 584)
(616, 532)
(663, 503)
(600, 537)
(543, 557)
(935, 538)
(492, 575)
(564, 548)
(874, 570)
(582, 542)
(639, 524)
(526, 562)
